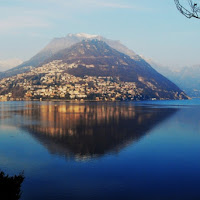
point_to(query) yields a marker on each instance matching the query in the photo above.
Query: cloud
(18, 22)
(85, 3)
(26, 14)
(106, 4)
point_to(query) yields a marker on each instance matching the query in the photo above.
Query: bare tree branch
(191, 9)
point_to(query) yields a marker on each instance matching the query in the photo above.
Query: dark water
(142, 151)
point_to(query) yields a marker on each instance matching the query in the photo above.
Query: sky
(154, 29)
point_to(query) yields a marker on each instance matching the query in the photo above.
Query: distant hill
(187, 78)
(9, 63)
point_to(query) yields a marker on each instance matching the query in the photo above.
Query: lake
(124, 150)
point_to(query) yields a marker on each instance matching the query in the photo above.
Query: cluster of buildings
(51, 81)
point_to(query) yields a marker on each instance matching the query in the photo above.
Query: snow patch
(84, 35)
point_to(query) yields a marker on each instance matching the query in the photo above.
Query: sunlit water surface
(143, 150)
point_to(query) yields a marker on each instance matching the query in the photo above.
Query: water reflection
(90, 130)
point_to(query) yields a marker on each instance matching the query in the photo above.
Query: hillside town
(52, 82)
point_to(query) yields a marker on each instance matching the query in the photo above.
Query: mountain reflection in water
(90, 130)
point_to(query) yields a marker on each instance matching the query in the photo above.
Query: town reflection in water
(84, 131)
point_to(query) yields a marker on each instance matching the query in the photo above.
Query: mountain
(92, 69)
(187, 78)
(96, 58)
(59, 44)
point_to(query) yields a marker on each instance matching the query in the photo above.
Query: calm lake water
(141, 151)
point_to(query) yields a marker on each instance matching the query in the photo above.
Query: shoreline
(81, 100)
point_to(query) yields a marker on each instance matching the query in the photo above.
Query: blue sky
(153, 28)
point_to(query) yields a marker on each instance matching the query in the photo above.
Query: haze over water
(143, 150)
